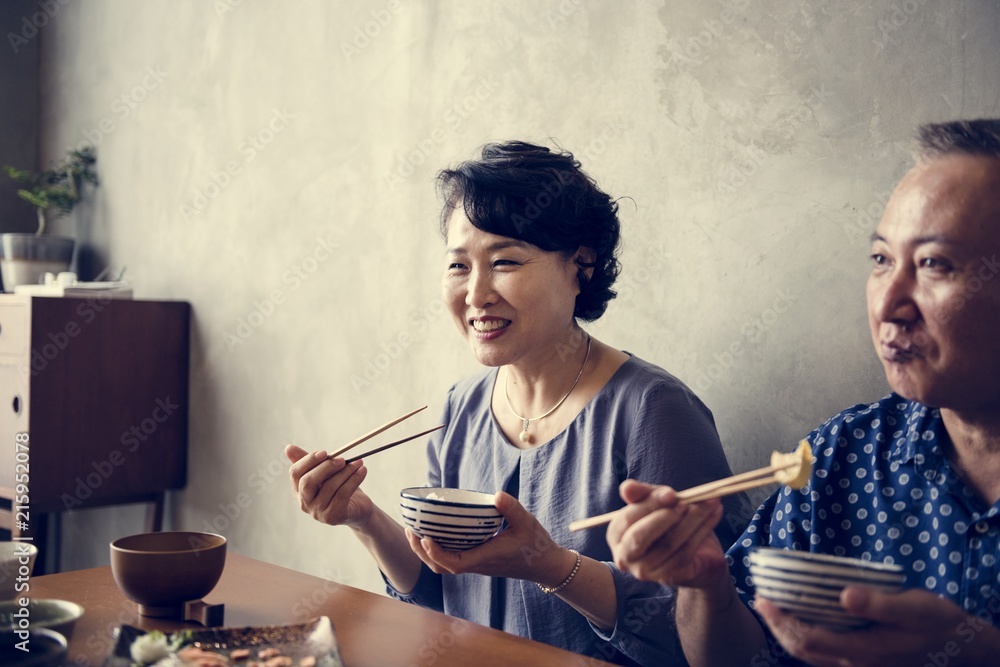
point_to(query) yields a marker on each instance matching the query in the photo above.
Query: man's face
(934, 289)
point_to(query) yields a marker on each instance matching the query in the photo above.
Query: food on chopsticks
(793, 470)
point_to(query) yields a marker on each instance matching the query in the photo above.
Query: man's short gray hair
(965, 137)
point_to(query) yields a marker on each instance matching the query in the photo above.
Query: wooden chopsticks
(393, 444)
(721, 487)
(371, 434)
(730, 485)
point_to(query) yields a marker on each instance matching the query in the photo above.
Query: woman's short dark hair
(543, 197)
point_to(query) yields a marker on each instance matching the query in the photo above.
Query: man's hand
(910, 629)
(658, 538)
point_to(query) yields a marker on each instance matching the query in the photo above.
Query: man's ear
(585, 258)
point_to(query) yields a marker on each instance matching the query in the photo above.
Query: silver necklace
(524, 436)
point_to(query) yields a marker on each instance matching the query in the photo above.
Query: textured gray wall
(273, 164)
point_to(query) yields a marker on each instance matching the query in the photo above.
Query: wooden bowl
(162, 571)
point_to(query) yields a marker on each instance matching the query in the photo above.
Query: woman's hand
(914, 627)
(327, 489)
(523, 550)
(658, 538)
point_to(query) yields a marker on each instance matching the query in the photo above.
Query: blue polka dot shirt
(884, 490)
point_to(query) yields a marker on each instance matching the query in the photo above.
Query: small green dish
(57, 615)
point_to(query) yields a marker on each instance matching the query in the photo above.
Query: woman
(554, 423)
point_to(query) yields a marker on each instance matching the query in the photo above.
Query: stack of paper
(103, 290)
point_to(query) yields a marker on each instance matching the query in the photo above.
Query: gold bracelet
(565, 583)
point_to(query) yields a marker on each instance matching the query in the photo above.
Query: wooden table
(371, 629)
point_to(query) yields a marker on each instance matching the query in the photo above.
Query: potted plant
(25, 258)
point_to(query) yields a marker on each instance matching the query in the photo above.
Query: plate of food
(310, 644)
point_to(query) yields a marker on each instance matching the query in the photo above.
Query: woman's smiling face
(510, 300)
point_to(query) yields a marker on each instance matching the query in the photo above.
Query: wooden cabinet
(100, 386)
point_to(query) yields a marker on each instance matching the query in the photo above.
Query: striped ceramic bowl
(808, 585)
(454, 518)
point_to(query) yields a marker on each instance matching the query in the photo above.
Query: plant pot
(25, 258)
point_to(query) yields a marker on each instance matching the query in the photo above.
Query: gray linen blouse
(644, 424)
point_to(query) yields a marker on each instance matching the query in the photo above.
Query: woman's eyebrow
(508, 243)
(493, 247)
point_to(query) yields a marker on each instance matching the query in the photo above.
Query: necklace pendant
(524, 436)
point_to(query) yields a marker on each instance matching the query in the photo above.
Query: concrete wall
(273, 162)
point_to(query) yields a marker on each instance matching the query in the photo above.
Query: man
(913, 479)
